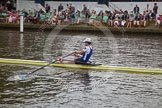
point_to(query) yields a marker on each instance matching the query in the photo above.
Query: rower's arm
(79, 52)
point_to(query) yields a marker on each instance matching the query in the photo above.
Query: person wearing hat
(81, 56)
(84, 54)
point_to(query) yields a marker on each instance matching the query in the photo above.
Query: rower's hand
(75, 53)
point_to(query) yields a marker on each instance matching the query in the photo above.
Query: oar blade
(21, 76)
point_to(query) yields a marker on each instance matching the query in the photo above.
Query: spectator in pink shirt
(159, 20)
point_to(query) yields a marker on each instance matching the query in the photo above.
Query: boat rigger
(78, 66)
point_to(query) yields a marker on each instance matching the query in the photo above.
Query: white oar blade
(20, 77)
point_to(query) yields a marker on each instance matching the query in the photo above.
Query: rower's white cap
(87, 40)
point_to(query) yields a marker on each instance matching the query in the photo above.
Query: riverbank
(85, 27)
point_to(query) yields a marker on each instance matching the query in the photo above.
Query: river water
(75, 88)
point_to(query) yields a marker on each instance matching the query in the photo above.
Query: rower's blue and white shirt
(88, 50)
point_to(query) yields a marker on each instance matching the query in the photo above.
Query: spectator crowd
(71, 15)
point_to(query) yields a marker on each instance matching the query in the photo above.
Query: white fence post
(21, 24)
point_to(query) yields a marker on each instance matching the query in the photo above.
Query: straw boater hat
(116, 15)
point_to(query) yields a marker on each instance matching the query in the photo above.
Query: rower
(83, 56)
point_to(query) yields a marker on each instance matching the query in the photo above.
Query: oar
(25, 75)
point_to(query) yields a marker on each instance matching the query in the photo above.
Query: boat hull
(77, 66)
